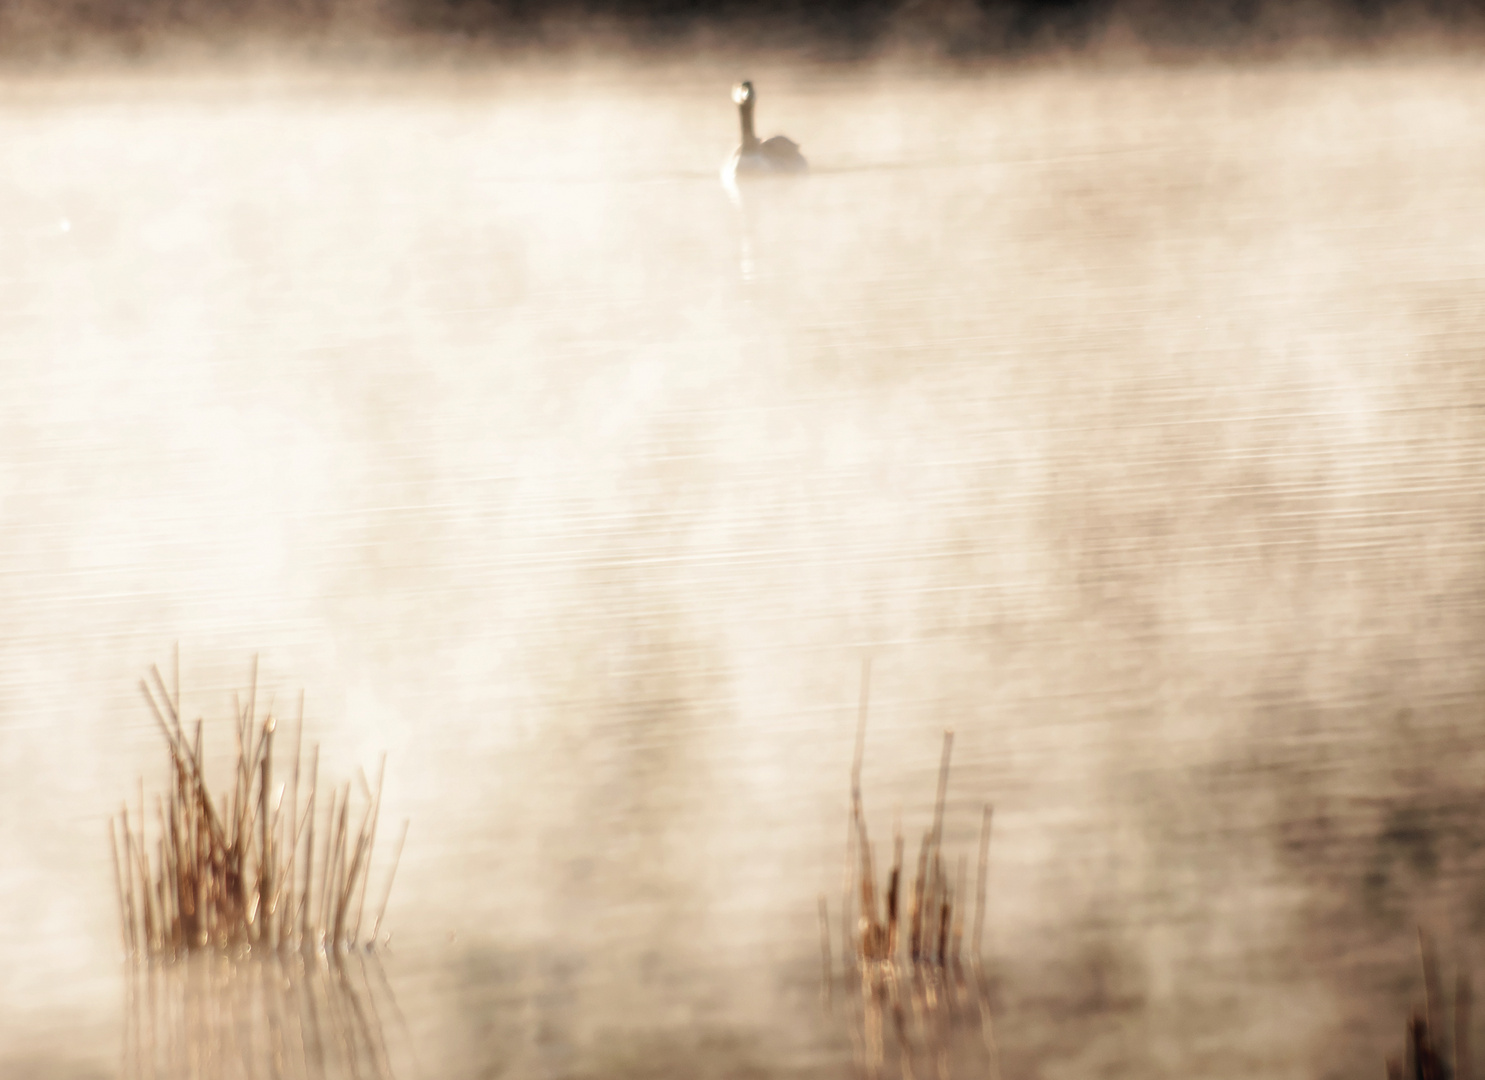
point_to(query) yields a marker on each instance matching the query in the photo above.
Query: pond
(1128, 420)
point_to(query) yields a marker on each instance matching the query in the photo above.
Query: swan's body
(755, 157)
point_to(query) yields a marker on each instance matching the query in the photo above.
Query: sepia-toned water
(1130, 420)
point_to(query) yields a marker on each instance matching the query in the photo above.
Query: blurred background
(1113, 384)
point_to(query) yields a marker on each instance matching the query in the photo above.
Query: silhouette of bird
(777, 155)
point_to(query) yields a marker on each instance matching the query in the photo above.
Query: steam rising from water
(1129, 419)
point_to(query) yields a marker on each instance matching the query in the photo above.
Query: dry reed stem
(1433, 996)
(981, 881)
(827, 984)
(1464, 1066)
(226, 871)
(391, 876)
(376, 808)
(847, 906)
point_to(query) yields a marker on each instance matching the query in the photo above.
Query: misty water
(1130, 420)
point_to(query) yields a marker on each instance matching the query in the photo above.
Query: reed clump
(244, 871)
(918, 1001)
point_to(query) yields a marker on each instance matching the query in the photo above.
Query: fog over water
(1130, 419)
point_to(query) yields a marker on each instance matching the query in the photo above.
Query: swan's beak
(742, 93)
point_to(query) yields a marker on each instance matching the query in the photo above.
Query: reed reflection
(283, 1016)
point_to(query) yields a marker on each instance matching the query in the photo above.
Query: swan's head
(742, 93)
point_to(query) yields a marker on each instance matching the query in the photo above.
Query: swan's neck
(749, 136)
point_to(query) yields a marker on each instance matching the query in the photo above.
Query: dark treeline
(965, 25)
(43, 29)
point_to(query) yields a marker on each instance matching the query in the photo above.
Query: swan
(777, 155)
